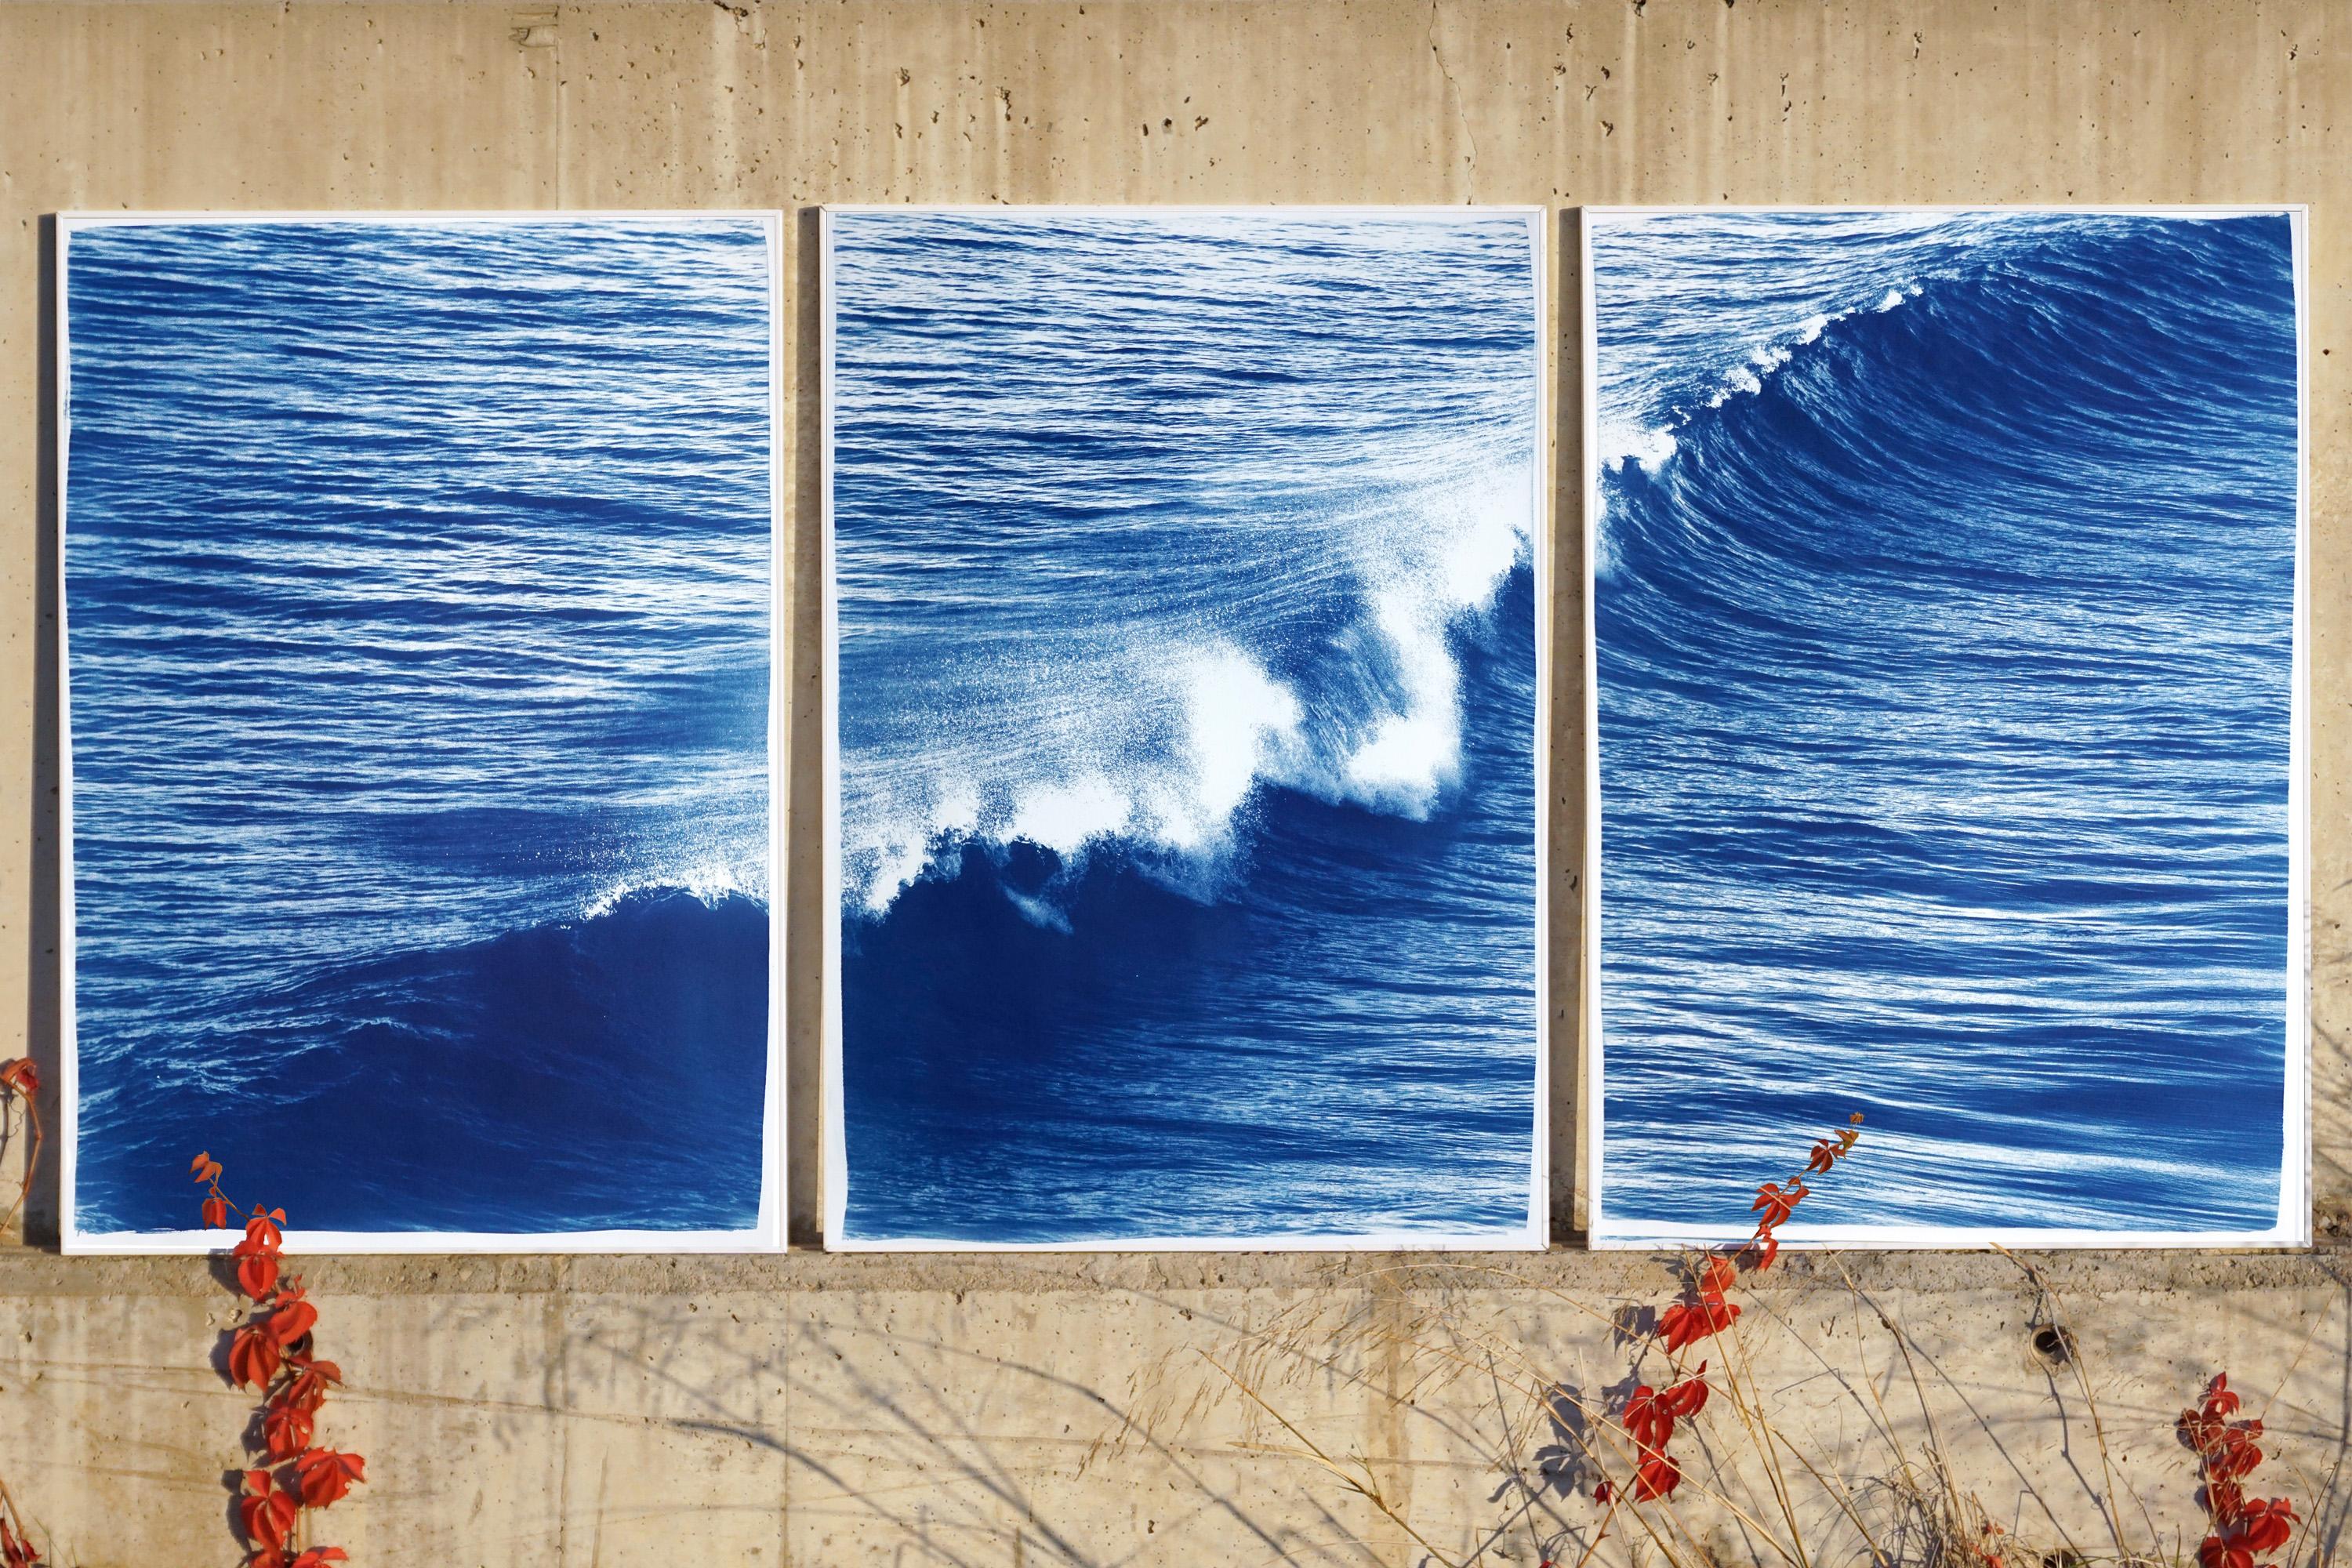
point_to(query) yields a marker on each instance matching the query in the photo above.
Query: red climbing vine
(20, 1080)
(2227, 1451)
(1704, 1310)
(274, 1352)
(16, 1547)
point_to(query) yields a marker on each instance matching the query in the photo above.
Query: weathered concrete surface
(820, 1410)
(824, 1410)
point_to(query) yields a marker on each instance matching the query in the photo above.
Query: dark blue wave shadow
(416, 1092)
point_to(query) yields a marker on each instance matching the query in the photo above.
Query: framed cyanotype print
(417, 574)
(1949, 706)
(1181, 699)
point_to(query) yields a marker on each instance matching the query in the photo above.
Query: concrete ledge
(1612, 1276)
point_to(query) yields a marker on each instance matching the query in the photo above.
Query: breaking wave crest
(1155, 739)
(1165, 756)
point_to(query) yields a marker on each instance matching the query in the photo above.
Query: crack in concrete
(1461, 106)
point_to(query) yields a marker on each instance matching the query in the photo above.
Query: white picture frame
(768, 1232)
(1536, 1233)
(2293, 1225)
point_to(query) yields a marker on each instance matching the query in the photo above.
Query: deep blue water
(1944, 606)
(417, 580)
(1186, 715)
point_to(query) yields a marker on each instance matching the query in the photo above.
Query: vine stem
(33, 1160)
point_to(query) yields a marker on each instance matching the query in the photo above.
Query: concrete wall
(821, 1410)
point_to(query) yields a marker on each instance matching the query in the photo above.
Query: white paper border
(1535, 1233)
(2292, 1226)
(767, 1234)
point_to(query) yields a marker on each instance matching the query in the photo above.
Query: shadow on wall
(914, 1444)
(1442, 1413)
(802, 895)
(1311, 1410)
(1564, 801)
(43, 976)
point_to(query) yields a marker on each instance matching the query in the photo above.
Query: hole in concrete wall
(2052, 1345)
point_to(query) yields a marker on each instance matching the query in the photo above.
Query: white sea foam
(1455, 553)
(1239, 720)
(958, 812)
(1748, 377)
(1648, 446)
(1739, 379)
(1235, 724)
(1162, 745)
(1064, 817)
(898, 862)
(1038, 913)
(711, 882)
(1411, 754)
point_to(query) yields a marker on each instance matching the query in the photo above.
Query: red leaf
(1688, 1397)
(2264, 1529)
(1647, 1420)
(22, 1076)
(253, 1356)
(1687, 1323)
(256, 1272)
(1717, 1277)
(293, 1318)
(1775, 1201)
(309, 1389)
(215, 1213)
(267, 1512)
(2265, 1534)
(1603, 1492)
(286, 1430)
(1763, 1250)
(17, 1550)
(325, 1476)
(1826, 1155)
(1657, 1476)
(2232, 1452)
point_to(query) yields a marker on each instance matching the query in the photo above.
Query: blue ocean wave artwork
(418, 586)
(1184, 575)
(1944, 595)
